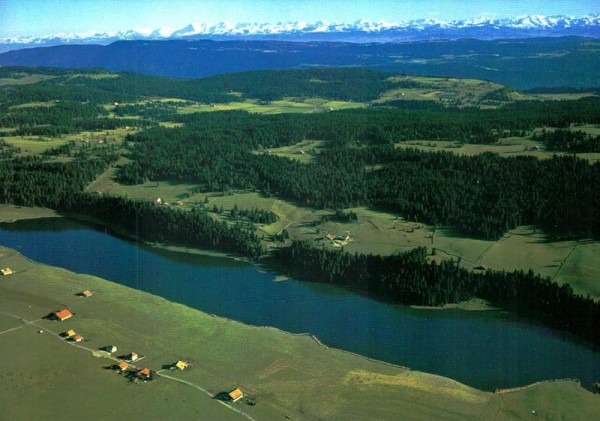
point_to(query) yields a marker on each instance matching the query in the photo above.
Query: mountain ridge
(520, 63)
(359, 31)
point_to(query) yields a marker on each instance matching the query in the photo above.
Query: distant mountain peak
(362, 30)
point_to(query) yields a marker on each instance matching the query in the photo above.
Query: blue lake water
(482, 349)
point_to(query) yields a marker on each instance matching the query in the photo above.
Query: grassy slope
(286, 375)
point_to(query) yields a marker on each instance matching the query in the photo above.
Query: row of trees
(569, 140)
(151, 222)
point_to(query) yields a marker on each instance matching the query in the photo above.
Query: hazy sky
(42, 17)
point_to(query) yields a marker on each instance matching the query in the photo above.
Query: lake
(486, 350)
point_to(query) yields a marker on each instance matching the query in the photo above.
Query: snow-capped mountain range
(359, 31)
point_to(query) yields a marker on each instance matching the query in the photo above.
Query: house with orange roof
(145, 373)
(122, 366)
(63, 314)
(77, 338)
(235, 395)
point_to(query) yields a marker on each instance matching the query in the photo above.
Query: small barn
(6, 271)
(69, 333)
(86, 293)
(110, 348)
(77, 338)
(122, 366)
(63, 314)
(235, 395)
(133, 356)
(182, 365)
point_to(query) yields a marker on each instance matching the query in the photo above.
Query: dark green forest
(482, 196)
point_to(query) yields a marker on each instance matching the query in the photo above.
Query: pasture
(25, 80)
(507, 147)
(461, 92)
(283, 375)
(304, 151)
(35, 145)
(285, 105)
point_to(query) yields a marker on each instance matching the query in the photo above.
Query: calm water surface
(482, 349)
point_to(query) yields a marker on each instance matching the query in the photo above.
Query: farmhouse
(180, 365)
(77, 338)
(235, 395)
(122, 366)
(63, 314)
(133, 356)
(6, 271)
(330, 237)
(86, 293)
(144, 374)
(69, 333)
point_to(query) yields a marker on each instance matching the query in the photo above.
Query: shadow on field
(551, 240)
(222, 396)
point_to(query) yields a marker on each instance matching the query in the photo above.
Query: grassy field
(285, 376)
(39, 144)
(34, 145)
(11, 213)
(303, 151)
(461, 92)
(507, 147)
(26, 80)
(286, 105)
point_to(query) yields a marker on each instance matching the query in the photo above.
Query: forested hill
(23, 84)
(355, 84)
(524, 63)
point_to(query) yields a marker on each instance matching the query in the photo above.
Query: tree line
(575, 141)
(408, 278)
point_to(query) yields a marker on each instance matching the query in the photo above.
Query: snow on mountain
(422, 29)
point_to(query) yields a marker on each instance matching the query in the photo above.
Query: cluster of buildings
(126, 366)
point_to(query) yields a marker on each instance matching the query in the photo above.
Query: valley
(445, 193)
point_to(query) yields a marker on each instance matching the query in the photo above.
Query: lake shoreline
(361, 379)
(452, 312)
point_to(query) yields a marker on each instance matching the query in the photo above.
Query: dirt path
(195, 386)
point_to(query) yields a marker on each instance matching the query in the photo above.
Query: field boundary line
(562, 264)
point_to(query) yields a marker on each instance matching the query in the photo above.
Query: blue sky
(42, 17)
